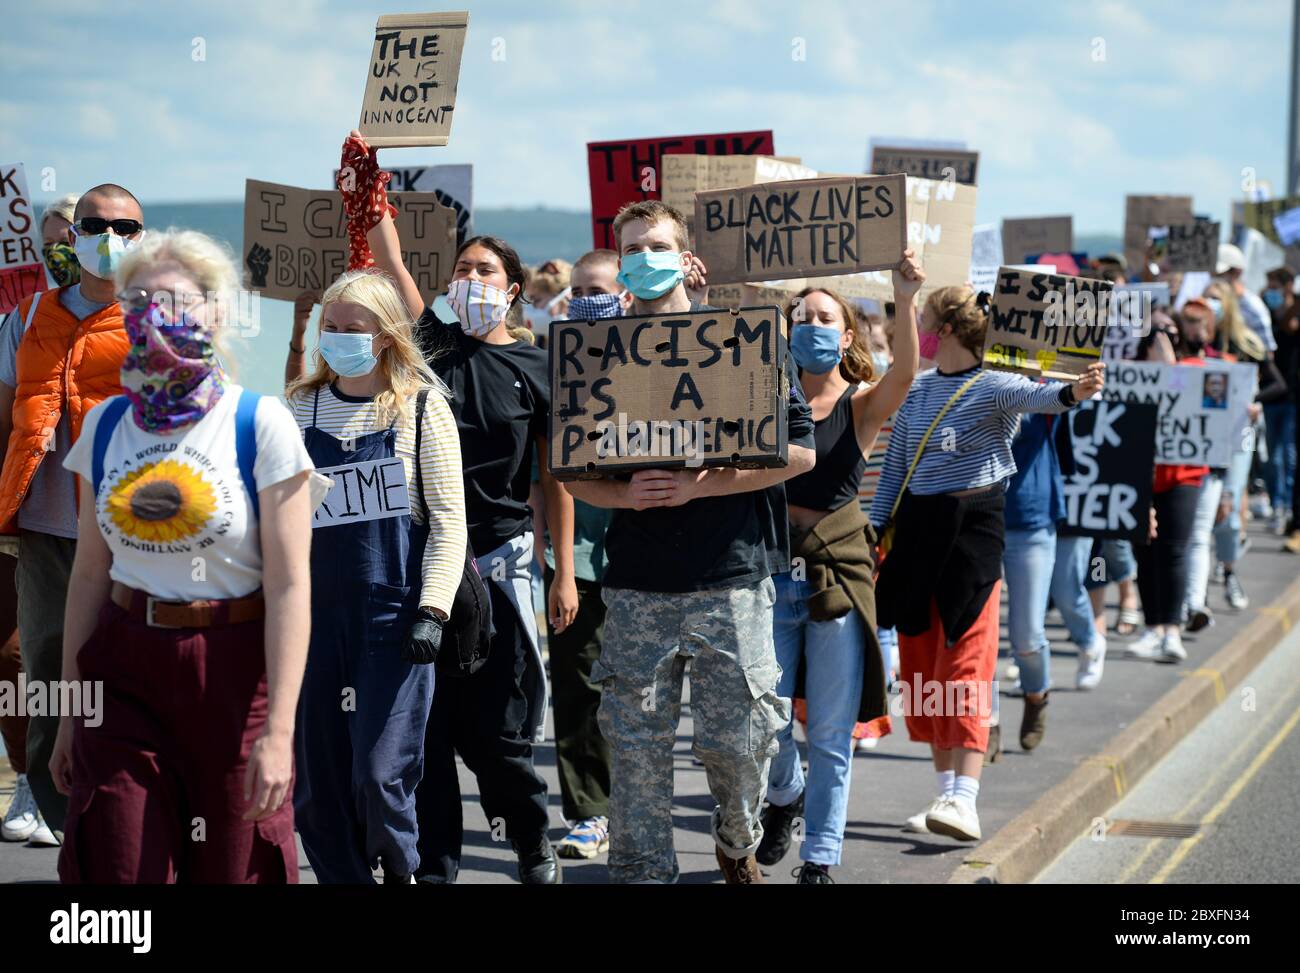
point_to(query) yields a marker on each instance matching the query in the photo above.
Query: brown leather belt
(144, 607)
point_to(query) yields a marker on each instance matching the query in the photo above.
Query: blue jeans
(1279, 471)
(1118, 564)
(1227, 533)
(1037, 564)
(834, 658)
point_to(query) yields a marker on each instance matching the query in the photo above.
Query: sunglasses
(95, 225)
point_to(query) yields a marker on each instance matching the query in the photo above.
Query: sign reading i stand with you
(411, 85)
(805, 227)
(1046, 324)
(370, 490)
(22, 271)
(1109, 492)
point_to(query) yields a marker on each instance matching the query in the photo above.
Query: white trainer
(956, 819)
(42, 837)
(1171, 648)
(1145, 646)
(22, 818)
(916, 823)
(1091, 663)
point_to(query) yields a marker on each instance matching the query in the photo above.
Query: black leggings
(1163, 564)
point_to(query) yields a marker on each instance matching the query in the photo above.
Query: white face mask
(479, 307)
(100, 255)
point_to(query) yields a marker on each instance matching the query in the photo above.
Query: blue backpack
(245, 440)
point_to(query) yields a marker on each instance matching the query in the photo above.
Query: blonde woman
(388, 552)
(188, 600)
(56, 240)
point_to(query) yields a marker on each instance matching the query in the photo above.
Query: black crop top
(834, 481)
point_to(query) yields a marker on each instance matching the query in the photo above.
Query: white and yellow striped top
(440, 467)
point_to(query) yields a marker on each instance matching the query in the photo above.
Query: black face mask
(1193, 347)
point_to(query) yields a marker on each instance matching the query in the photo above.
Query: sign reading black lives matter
(411, 84)
(802, 228)
(700, 388)
(1109, 493)
(1046, 324)
(1192, 246)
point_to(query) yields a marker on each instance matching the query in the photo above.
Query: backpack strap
(114, 408)
(31, 311)
(420, 398)
(246, 444)
(920, 450)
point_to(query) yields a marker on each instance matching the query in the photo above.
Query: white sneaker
(1091, 663)
(22, 818)
(916, 823)
(1145, 646)
(1171, 648)
(867, 743)
(42, 837)
(1261, 507)
(954, 818)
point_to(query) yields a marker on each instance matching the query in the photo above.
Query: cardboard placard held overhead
(685, 175)
(1035, 235)
(22, 268)
(295, 240)
(411, 84)
(1143, 212)
(823, 227)
(630, 170)
(1109, 492)
(1192, 246)
(924, 163)
(700, 388)
(1047, 325)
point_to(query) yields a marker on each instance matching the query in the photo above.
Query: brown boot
(1034, 723)
(739, 871)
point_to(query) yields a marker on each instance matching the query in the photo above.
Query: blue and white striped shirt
(971, 446)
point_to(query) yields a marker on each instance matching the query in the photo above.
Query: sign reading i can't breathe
(1046, 324)
(370, 490)
(411, 85)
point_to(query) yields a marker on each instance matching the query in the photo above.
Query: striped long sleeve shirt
(971, 446)
(440, 468)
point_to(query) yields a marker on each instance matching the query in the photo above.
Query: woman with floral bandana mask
(56, 238)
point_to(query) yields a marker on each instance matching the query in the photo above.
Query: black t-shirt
(500, 396)
(714, 542)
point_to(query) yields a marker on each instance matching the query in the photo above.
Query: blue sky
(1187, 96)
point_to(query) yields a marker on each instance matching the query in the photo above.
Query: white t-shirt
(174, 510)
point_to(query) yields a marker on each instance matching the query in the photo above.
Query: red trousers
(158, 783)
(947, 689)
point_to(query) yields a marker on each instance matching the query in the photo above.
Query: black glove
(424, 640)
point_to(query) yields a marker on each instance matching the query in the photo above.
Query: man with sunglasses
(61, 353)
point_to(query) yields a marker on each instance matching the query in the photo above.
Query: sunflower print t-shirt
(173, 508)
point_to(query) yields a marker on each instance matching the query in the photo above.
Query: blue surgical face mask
(1273, 298)
(350, 355)
(651, 274)
(879, 363)
(815, 347)
(1216, 306)
(595, 307)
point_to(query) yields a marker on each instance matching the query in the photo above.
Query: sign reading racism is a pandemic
(411, 85)
(22, 272)
(1047, 325)
(700, 388)
(802, 228)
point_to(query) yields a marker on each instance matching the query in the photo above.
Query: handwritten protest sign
(1143, 212)
(453, 186)
(629, 170)
(925, 163)
(828, 226)
(1202, 410)
(22, 271)
(986, 245)
(701, 388)
(1130, 317)
(295, 240)
(684, 175)
(369, 490)
(1046, 324)
(1191, 246)
(411, 84)
(1109, 493)
(1036, 235)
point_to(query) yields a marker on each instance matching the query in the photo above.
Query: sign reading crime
(1191, 246)
(22, 271)
(295, 240)
(411, 85)
(1109, 493)
(700, 388)
(370, 490)
(1030, 235)
(628, 170)
(806, 227)
(1047, 325)
(937, 164)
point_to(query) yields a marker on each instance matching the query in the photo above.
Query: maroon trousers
(158, 783)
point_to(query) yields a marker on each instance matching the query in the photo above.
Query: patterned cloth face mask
(171, 375)
(479, 306)
(61, 258)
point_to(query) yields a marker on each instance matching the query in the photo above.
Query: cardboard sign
(1192, 246)
(1143, 212)
(986, 245)
(629, 170)
(1202, 416)
(1046, 324)
(295, 240)
(411, 84)
(685, 175)
(701, 388)
(936, 164)
(453, 185)
(1109, 493)
(1036, 235)
(371, 490)
(22, 269)
(1130, 317)
(829, 226)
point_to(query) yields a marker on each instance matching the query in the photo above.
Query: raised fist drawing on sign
(258, 262)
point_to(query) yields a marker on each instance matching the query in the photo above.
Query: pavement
(895, 780)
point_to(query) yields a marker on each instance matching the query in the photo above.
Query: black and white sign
(1109, 493)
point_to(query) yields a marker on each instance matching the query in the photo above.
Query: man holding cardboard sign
(690, 550)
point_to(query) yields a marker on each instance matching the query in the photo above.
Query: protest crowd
(303, 610)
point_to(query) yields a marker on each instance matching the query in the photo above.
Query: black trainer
(538, 864)
(810, 873)
(778, 827)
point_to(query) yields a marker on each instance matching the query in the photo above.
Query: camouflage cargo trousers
(649, 636)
